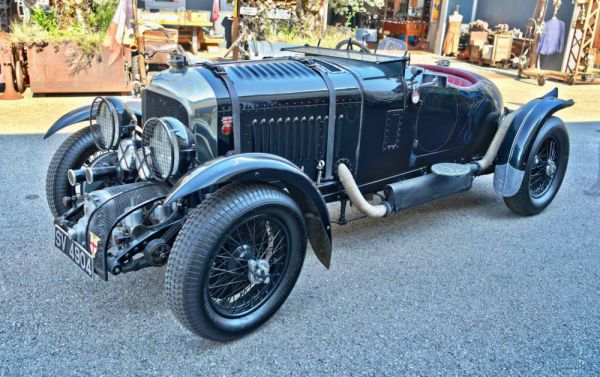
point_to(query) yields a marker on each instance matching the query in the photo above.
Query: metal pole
(539, 14)
(235, 28)
(139, 39)
(326, 15)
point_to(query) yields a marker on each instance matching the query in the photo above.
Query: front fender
(515, 149)
(266, 168)
(82, 114)
(74, 116)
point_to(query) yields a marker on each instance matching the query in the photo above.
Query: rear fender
(515, 149)
(265, 168)
(82, 114)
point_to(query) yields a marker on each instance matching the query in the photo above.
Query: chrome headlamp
(168, 147)
(110, 121)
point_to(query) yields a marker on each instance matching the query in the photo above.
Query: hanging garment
(552, 39)
(214, 17)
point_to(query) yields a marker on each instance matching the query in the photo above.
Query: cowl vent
(270, 71)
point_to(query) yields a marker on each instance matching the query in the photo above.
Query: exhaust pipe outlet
(492, 151)
(76, 176)
(356, 196)
(99, 173)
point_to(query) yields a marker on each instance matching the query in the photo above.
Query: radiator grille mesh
(122, 198)
(156, 105)
(298, 139)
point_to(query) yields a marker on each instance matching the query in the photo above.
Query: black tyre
(73, 153)
(545, 169)
(235, 261)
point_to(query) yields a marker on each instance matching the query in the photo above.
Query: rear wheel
(235, 261)
(544, 172)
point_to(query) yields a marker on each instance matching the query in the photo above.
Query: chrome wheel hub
(258, 271)
(550, 168)
(248, 265)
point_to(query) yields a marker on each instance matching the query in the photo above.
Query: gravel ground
(459, 286)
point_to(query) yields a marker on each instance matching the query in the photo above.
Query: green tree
(349, 8)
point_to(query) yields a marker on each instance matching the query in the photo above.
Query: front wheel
(78, 151)
(545, 169)
(235, 261)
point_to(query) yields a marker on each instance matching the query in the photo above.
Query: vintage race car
(224, 170)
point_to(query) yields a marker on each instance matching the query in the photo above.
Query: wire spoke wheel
(248, 265)
(544, 168)
(236, 260)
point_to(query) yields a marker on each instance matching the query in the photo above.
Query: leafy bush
(330, 37)
(45, 19)
(349, 8)
(102, 15)
(84, 28)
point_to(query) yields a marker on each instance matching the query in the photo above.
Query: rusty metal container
(52, 69)
(4, 42)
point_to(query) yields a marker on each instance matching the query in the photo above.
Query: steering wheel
(351, 44)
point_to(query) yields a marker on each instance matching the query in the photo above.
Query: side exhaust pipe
(446, 180)
(492, 151)
(357, 198)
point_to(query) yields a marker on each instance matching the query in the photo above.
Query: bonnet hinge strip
(310, 63)
(235, 104)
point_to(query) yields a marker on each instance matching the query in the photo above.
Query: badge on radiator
(94, 239)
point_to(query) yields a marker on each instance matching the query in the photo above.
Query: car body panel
(515, 149)
(299, 118)
(82, 114)
(261, 167)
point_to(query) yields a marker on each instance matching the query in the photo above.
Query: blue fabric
(552, 39)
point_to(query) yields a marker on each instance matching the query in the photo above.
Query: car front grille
(156, 105)
(299, 139)
(123, 197)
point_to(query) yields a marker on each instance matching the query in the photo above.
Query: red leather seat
(456, 77)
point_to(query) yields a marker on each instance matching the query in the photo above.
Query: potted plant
(65, 49)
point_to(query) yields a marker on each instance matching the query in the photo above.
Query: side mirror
(443, 63)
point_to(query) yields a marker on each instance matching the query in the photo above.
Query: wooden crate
(501, 50)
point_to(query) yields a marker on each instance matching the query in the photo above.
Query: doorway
(410, 21)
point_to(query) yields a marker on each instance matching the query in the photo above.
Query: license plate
(73, 250)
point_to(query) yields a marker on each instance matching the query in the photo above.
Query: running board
(446, 179)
